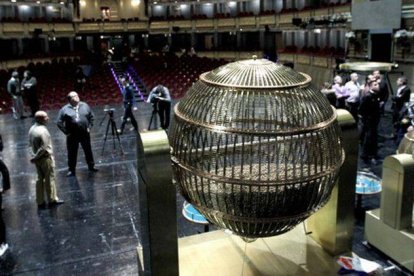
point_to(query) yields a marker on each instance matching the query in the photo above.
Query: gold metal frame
(255, 147)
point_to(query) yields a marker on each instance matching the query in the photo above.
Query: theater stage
(96, 231)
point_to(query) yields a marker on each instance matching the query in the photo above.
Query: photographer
(129, 102)
(161, 99)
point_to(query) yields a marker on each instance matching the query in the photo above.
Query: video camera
(155, 99)
(109, 110)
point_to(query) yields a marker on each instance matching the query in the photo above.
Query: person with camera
(75, 120)
(161, 100)
(42, 157)
(129, 102)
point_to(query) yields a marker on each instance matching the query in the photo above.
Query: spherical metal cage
(255, 147)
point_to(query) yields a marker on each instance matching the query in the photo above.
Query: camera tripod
(153, 116)
(111, 123)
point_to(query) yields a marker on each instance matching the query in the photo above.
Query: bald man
(354, 89)
(75, 120)
(42, 157)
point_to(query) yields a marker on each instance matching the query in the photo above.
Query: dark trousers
(369, 138)
(72, 143)
(6, 185)
(353, 109)
(2, 225)
(33, 102)
(164, 109)
(6, 175)
(128, 114)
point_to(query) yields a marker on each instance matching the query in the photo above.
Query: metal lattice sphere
(255, 147)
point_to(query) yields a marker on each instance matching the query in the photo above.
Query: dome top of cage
(255, 73)
(256, 96)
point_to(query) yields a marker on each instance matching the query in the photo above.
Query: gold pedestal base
(218, 253)
(397, 244)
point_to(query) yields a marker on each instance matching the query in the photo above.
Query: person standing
(4, 187)
(369, 110)
(160, 96)
(354, 90)
(28, 87)
(383, 89)
(341, 92)
(75, 120)
(402, 97)
(129, 102)
(80, 79)
(13, 87)
(42, 157)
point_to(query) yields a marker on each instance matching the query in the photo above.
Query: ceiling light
(13, 1)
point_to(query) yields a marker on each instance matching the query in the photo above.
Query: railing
(274, 21)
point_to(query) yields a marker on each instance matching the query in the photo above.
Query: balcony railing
(274, 21)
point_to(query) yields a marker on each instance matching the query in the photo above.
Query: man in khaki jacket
(42, 157)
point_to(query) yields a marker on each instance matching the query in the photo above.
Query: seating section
(176, 73)
(57, 79)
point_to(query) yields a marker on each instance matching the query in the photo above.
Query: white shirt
(400, 89)
(353, 88)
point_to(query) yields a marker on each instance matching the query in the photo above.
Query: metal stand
(154, 112)
(111, 123)
(332, 226)
(158, 253)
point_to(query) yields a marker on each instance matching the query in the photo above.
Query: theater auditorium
(77, 199)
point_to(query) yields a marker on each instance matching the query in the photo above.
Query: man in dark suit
(369, 110)
(129, 102)
(383, 92)
(28, 87)
(402, 97)
(75, 120)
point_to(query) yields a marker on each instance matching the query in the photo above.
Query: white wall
(24, 12)
(129, 9)
(253, 6)
(121, 8)
(207, 9)
(299, 39)
(300, 4)
(185, 10)
(278, 5)
(159, 10)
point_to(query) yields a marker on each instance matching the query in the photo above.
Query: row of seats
(56, 80)
(178, 74)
